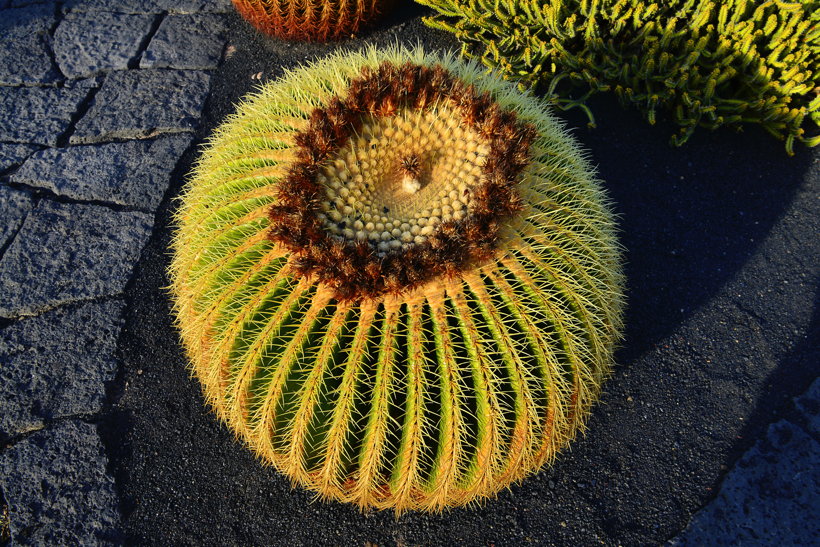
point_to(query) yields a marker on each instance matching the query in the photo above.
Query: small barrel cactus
(397, 280)
(311, 20)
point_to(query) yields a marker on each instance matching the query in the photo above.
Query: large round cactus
(397, 280)
(312, 20)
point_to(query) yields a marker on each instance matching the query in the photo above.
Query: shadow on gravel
(690, 216)
(690, 219)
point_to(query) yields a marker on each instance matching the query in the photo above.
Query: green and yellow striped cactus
(704, 62)
(397, 280)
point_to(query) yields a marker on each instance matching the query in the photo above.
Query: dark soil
(722, 331)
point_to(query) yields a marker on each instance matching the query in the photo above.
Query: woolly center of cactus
(400, 177)
(408, 177)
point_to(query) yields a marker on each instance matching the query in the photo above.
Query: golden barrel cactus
(397, 279)
(311, 20)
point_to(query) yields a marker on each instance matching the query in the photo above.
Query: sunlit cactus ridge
(311, 20)
(703, 63)
(323, 333)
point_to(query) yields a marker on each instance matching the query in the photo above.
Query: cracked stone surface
(39, 115)
(135, 173)
(69, 252)
(151, 6)
(24, 33)
(13, 154)
(57, 364)
(203, 34)
(14, 206)
(58, 490)
(77, 207)
(88, 43)
(142, 104)
(770, 497)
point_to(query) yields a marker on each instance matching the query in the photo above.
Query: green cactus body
(397, 279)
(704, 62)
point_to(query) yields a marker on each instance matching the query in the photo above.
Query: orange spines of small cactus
(311, 20)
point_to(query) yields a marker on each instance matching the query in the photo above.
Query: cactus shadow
(689, 217)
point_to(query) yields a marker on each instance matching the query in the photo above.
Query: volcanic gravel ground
(722, 330)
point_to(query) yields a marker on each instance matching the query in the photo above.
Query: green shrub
(706, 63)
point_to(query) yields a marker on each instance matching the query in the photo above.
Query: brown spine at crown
(354, 270)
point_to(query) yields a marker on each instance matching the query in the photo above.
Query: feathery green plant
(706, 62)
(397, 279)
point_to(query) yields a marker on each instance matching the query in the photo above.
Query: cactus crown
(311, 20)
(430, 366)
(380, 222)
(705, 62)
